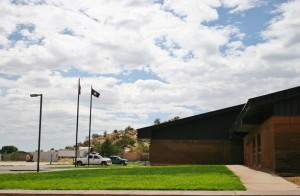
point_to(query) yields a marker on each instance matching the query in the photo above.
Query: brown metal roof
(248, 116)
(192, 124)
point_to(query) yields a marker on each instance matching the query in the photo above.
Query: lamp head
(35, 95)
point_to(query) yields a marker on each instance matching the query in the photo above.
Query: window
(90, 156)
(253, 151)
(259, 149)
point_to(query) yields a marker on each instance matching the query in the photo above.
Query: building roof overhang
(259, 109)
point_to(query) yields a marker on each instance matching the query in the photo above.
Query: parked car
(118, 160)
(94, 159)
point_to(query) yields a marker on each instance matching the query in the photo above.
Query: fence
(15, 156)
(136, 156)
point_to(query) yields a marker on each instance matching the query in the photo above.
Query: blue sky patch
(17, 35)
(68, 31)
(135, 75)
(174, 13)
(251, 22)
(190, 55)
(73, 73)
(3, 92)
(196, 109)
(125, 77)
(170, 46)
(159, 1)
(21, 34)
(9, 76)
(27, 2)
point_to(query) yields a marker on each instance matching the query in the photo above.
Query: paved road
(21, 167)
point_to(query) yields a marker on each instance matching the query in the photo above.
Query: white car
(94, 159)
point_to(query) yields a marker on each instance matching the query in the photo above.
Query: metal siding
(277, 96)
(145, 134)
(294, 107)
(214, 127)
(287, 107)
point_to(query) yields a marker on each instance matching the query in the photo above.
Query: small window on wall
(253, 151)
(259, 149)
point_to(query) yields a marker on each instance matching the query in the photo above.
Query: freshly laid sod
(188, 177)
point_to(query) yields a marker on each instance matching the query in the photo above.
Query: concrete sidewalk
(255, 180)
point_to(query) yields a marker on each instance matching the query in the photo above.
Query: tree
(8, 149)
(97, 148)
(85, 143)
(129, 128)
(14, 156)
(157, 121)
(173, 119)
(94, 136)
(69, 148)
(176, 118)
(125, 142)
(107, 148)
(141, 147)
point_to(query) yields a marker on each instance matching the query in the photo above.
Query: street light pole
(40, 126)
(89, 150)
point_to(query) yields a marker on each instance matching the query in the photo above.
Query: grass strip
(188, 177)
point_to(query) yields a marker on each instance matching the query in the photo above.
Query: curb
(142, 193)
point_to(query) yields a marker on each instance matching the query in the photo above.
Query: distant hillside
(118, 141)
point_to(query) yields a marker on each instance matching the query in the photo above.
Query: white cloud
(193, 11)
(240, 6)
(106, 41)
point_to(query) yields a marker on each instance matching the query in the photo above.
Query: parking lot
(22, 166)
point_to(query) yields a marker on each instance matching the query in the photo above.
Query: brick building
(264, 133)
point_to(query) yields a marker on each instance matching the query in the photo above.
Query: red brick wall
(164, 152)
(280, 143)
(287, 144)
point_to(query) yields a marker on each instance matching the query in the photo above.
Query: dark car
(118, 160)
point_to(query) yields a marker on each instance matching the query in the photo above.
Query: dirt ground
(295, 180)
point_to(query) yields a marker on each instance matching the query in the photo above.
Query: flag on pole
(79, 87)
(95, 93)
(79, 92)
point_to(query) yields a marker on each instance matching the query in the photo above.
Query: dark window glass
(259, 149)
(254, 151)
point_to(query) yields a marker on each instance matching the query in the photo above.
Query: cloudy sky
(148, 58)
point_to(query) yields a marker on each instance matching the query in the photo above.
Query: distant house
(50, 156)
(264, 133)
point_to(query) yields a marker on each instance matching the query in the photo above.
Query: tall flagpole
(90, 128)
(79, 91)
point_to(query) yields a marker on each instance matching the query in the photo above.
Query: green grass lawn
(188, 177)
